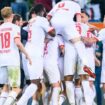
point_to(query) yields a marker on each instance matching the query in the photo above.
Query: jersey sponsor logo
(62, 6)
(6, 29)
(5, 51)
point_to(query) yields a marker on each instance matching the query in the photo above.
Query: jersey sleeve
(46, 25)
(16, 32)
(101, 34)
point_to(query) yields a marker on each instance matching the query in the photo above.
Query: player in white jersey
(61, 17)
(9, 56)
(101, 37)
(62, 25)
(37, 30)
(51, 56)
(84, 30)
(91, 55)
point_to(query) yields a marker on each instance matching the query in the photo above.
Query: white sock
(11, 98)
(3, 97)
(29, 92)
(62, 98)
(50, 103)
(55, 95)
(78, 95)
(82, 53)
(34, 102)
(45, 97)
(87, 92)
(93, 93)
(70, 92)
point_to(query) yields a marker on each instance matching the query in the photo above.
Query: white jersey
(9, 53)
(52, 51)
(38, 28)
(101, 37)
(62, 19)
(83, 30)
(65, 9)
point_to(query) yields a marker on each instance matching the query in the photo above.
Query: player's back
(53, 50)
(65, 8)
(37, 30)
(8, 48)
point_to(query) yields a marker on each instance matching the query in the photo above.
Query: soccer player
(17, 19)
(84, 30)
(38, 28)
(10, 45)
(51, 56)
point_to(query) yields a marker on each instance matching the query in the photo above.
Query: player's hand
(97, 63)
(98, 54)
(29, 59)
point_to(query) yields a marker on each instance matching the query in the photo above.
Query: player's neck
(7, 20)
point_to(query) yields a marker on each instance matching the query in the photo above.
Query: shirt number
(5, 39)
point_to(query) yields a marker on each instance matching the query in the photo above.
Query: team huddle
(58, 57)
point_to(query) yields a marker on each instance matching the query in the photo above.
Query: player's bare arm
(97, 62)
(22, 49)
(52, 32)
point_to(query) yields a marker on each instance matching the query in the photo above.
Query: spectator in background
(93, 9)
(47, 4)
(83, 3)
(54, 2)
(102, 8)
(20, 7)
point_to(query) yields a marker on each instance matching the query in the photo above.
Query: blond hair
(6, 12)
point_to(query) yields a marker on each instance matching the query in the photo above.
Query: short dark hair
(37, 9)
(84, 11)
(16, 17)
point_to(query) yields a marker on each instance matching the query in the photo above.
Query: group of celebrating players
(58, 57)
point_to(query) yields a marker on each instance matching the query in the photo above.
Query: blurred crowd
(94, 8)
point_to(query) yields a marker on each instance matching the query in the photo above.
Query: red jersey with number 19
(9, 53)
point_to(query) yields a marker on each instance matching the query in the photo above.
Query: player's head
(6, 12)
(84, 16)
(17, 19)
(38, 10)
